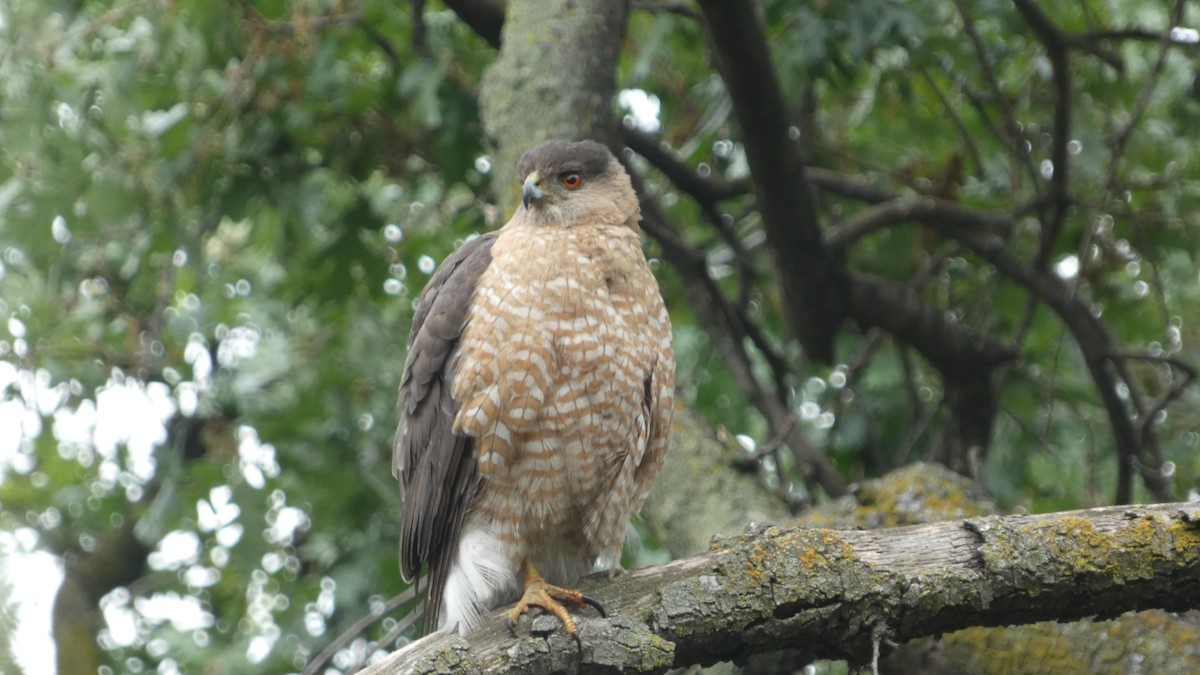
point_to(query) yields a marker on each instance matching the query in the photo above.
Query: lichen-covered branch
(837, 593)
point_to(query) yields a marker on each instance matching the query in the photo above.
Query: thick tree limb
(813, 286)
(839, 592)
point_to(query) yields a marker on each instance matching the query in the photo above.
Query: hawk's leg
(551, 598)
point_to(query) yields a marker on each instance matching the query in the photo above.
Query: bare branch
(1093, 336)
(1015, 142)
(703, 190)
(727, 334)
(1055, 44)
(485, 17)
(955, 350)
(964, 133)
(914, 209)
(1121, 138)
(1189, 375)
(358, 628)
(813, 286)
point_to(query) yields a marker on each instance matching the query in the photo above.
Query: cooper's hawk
(536, 398)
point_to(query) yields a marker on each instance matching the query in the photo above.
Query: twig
(396, 631)
(1055, 44)
(963, 132)
(727, 335)
(359, 627)
(1016, 139)
(1121, 138)
(1168, 397)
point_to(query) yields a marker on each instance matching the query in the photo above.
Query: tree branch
(1096, 343)
(1055, 44)
(813, 286)
(839, 592)
(485, 17)
(980, 232)
(725, 330)
(964, 357)
(1120, 140)
(1015, 141)
(682, 176)
(889, 212)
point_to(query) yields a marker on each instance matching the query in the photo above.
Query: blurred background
(215, 217)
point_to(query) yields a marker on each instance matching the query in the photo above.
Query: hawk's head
(569, 183)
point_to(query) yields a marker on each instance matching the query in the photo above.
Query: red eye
(571, 181)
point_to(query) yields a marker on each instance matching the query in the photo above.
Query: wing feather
(439, 478)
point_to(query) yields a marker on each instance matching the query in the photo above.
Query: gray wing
(438, 475)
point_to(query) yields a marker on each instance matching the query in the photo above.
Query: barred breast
(565, 360)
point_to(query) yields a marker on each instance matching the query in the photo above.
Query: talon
(614, 572)
(595, 604)
(552, 599)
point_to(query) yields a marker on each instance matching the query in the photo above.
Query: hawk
(536, 398)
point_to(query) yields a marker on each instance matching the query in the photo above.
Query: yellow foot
(550, 598)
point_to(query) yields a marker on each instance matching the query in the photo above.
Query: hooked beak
(530, 192)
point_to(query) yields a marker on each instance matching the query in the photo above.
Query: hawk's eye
(571, 180)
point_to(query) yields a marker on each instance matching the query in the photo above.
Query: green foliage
(214, 218)
(901, 98)
(225, 211)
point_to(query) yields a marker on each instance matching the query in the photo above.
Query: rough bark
(920, 493)
(842, 592)
(554, 78)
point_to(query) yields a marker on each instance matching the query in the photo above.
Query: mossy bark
(1148, 642)
(841, 593)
